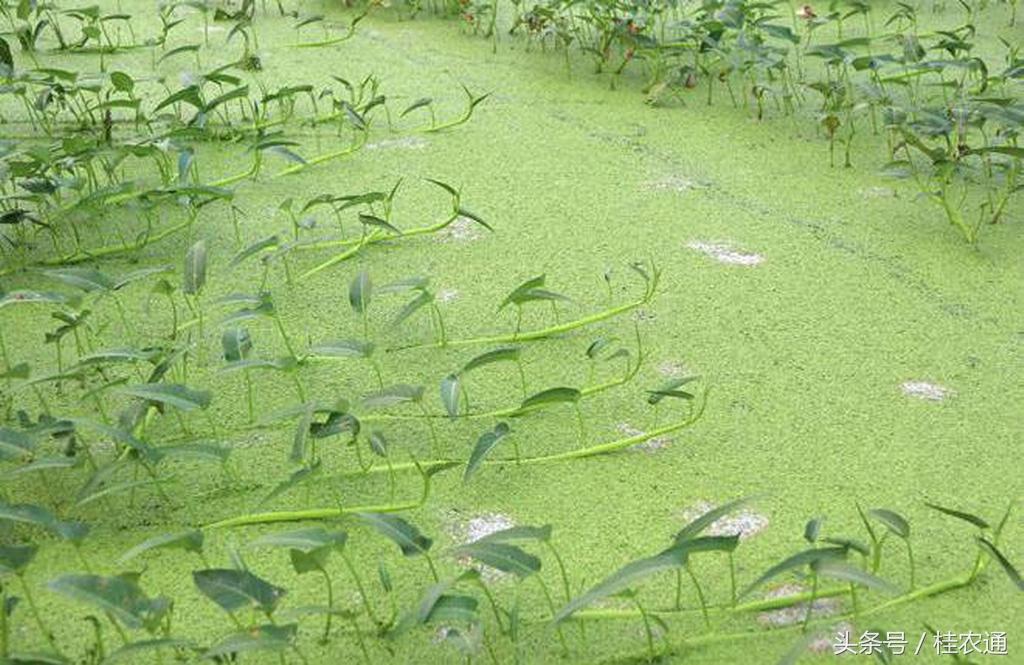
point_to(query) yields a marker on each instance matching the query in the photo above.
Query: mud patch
(724, 253)
(744, 522)
(652, 445)
(795, 614)
(931, 392)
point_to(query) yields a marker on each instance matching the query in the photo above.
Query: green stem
(910, 557)
(579, 453)
(359, 587)
(700, 595)
(647, 629)
(810, 603)
(534, 335)
(34, 609)
(330, 604)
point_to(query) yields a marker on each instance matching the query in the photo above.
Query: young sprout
(529, 291)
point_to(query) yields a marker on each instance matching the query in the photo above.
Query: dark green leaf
(190, 541)
(560, 395)
(195, 269)
(799, 560)
(451, 391)
(419, 103)
(960, 515)
(15, 558)
(306, 540)
(85, 279)
(516, 533)
(117, 596)
(813, 529)
(623, 579)
(484, 445)
(840, 570)
(15, 445)
(235, 589)
(397, 394)
(501, 556)
(402, 533)
(343, 348)
(237, 343)
(994, 552)
(893, 521)
(268, 637)
(360, 291)
(503, 354)
(171, 394)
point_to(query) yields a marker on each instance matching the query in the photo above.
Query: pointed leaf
(623, 579)
(840, 570)
(195, 269)
(501, 556)
(360, 291)
(343, 348)
(799, 560)
(960, 515)
(235, 589)
(118, 596)
(484, 445)
(402, 533)
(171, 394)
(893, 521)
(451, 391)
(190, 541)
(503, 354)
(694, 528)
(268, 637)
(237, 343)
(994, 552)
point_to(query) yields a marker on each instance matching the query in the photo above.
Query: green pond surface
(806, 298)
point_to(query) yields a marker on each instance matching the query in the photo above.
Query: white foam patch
(405, 143)
(650, 445)
(878, 193)
(463, 229)
(931, 392)
(795, 614)
(676, 183)
(447, 296)
(485, 525)
(826, 643)
(644, 315)
(472, 530)
(744, 522)
(672, 369)
(724, 253)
